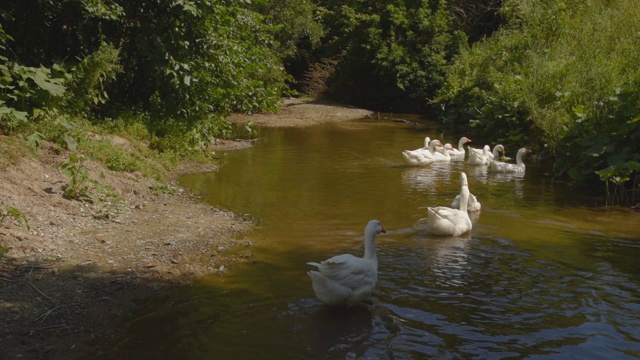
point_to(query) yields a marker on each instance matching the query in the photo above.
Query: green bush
(558, 76)
(87, 89)
(177, 67)
(392, 54)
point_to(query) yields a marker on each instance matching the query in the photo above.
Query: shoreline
(71, 276)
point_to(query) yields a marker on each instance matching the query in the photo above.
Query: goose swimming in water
(503, 167)
(346, 279)
(444, 220)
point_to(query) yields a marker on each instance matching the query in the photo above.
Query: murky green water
(541, 275)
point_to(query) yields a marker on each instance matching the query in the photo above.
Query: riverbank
(71, 275)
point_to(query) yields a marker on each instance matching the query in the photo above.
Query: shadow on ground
(48, 313)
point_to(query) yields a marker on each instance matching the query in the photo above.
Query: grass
(12, 148)
(121, 145)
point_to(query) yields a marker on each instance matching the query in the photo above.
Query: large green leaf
(45, 82)
(72, 143)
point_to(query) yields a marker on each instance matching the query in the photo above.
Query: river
(543, 274)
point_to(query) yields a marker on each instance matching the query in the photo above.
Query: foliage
(24, 88)
(294, 22)
(35, 140)
(111, 205)
(393, 53)
(54, 126)
(10, 211)
(559, 76)
(12, 148)
(477, 19)
(87, 89)
(80, 184)
(83, 188)
(295, 29)
(187, 62)
(192, 59)
(314, 82)
(607, 149)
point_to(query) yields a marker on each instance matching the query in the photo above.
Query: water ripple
(486, 299)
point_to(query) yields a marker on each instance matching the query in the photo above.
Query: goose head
(498, 148)
(434, 144)
(463, 140)
(522, 152)
(374, 227)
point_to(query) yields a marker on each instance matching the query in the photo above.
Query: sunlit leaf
(72, 143)
(34, 140)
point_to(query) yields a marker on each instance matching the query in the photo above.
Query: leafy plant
(80, 183)
(34, 140)
(111, 205)
(53, 126)
(88, 88)
(83, 188)
(614, 177)
(10, 211)
(164, 189)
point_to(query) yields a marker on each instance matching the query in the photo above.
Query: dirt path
(71, 275)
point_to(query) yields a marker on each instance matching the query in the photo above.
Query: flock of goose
(347, 280)
(434, 151)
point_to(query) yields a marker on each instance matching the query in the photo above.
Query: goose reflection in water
(515, 179)
(427, 178)
(451, 261)
(478, 173)
(448, 256)
(336, 328)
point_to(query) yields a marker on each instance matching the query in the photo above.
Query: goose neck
(519, 158)
(369, 245)
(464, 198)
(461, 144)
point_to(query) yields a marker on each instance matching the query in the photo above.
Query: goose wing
(347, 270)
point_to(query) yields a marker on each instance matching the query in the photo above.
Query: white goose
(415, 157)
(444, 148)
(459, 153)
(472, 206)
(443, 220)
(441, 154)
(484, 157)
(422, 157)
(503, 167)
(346, 279)
(427, 140)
